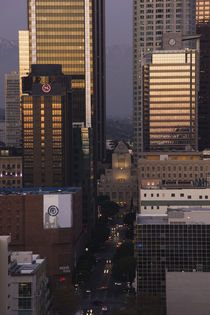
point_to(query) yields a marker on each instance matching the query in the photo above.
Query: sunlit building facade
(170, 101)
(47, 127)
(24, 66)
(71, 33)
(202, 11)
(150, 21)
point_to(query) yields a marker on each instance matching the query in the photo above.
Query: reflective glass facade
(170, 101)
(150, 20)
(202, 11)
(47, 127)
(71, 33)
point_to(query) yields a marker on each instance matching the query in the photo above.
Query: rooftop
(196, 215)
(38, 190)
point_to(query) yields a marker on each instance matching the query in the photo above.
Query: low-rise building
(10, 168)
(23, 286)
(172, 169)
(120, 181)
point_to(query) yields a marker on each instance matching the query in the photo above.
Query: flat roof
(38, 190)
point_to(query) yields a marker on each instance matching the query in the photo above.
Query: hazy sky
(118, 32)
(118, 20)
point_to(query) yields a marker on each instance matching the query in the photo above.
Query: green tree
(143, 304)
(124, 269)
(65, 301)
(109, 208)
(126, 249)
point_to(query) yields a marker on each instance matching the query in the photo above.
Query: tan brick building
(173, 169)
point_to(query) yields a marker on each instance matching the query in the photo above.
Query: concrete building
(47, 221)
(10, 168)
(12, 110)
(150, 21)
(174, 169)
(120, 182)
(187, 293)
(174, 242)
(23, 286)
(154, 200)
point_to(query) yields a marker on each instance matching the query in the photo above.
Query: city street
(101, 295)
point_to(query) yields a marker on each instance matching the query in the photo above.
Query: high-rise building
(202, 11)
(12, 110)
(170, 92)
(203, 28)
(47, 126)
(71, 33)
(150, 21)
(177, 241)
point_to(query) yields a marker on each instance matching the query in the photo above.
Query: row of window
(174, 195)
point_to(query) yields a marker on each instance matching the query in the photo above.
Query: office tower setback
(71, 33)
(150, 21)
(12, 110)
(177, 241)
(170, 90)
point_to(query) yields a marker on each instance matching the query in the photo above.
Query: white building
(23, 285)
(156, 200)
(187, 293)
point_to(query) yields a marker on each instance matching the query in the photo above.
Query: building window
(189, 197)
(206, 197)
(151, 195)
(24, 289)
(24, 303)
(145, 195)
(172, 195)
(200, 197)
(157, 195)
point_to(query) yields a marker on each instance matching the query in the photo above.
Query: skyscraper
(176, 241)
(170, 90)
(203, 28)
(12, 110)
(71, 33)
(150, 20)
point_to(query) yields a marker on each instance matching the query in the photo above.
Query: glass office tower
(170, 101)
(150, 20)
(71, 33)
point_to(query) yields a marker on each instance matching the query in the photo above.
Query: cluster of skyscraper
(170, 75)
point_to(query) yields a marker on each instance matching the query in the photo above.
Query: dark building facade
(177, 241)
(203, 28)
(47, 126)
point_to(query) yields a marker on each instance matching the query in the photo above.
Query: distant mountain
(119, 129)
(8, 62)
(119, 88)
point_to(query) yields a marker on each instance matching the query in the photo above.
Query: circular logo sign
(46, 88)
(53, 211)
